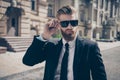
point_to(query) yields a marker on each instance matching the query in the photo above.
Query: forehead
(63, 17)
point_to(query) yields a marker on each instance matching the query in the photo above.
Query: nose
(69, 26)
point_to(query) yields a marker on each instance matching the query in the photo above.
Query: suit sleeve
(97, 66)
(35, 53)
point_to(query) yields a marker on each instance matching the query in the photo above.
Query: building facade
(98, 19)
(22, 18)
(25, 18)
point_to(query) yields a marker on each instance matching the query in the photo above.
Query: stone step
(3, 49)
(16, 43)
(23, 44)
(20, 49)
(20, 42)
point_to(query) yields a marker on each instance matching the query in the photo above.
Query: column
(92, 13)
(109, 6)
(119, 10)
(104, 4)
(98, 14)
(113, 10)
(76, 5)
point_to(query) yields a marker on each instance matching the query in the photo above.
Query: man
(72, 58)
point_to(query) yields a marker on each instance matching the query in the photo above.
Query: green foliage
(57, 35)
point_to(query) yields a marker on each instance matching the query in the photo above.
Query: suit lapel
(56, 58)
(58, 51)
(77, 56)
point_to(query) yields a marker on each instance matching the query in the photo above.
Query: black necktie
(64, 65)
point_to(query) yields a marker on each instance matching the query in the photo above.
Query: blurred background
(20, 20)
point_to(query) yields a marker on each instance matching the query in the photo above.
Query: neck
(68, 39)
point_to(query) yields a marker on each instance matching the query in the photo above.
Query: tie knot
(67, 46)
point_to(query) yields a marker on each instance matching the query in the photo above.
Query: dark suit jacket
(87, 59)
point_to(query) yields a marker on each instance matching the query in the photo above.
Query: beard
(68, 35)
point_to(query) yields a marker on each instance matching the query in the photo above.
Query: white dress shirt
(70, 60)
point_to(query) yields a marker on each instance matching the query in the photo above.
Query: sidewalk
(11, 63)
(108, 45)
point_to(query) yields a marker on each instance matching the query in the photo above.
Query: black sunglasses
(65, 24)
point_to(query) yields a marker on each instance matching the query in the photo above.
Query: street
(35, 74)
(111, 59)
(112, 63)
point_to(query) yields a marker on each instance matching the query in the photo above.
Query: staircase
(3, 50)
(15, 44)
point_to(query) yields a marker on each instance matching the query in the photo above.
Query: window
(80, 33)
(101, 5)
(115, 10)
(106, 17)
(112, 33)
(106, 5)
(33, 5)
(101, 19)
(111, 10)
(95, 15)
(50, 10)
(82, 16)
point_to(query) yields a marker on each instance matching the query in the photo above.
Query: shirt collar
(71, 43)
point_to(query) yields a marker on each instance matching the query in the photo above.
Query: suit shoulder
(89, 42)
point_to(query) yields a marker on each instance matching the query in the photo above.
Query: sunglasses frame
(65, 24)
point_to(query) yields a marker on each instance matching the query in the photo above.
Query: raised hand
(50, 28)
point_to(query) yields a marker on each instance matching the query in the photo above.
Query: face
(69, 29)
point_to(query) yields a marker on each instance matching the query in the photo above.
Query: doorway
(12, 29)
(13, 21)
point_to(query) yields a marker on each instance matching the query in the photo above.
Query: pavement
(11, 62)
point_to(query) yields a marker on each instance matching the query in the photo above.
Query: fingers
(51, 28)
(53, 24)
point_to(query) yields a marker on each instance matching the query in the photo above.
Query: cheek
(75, 29)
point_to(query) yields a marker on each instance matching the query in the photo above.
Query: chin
(71, 35)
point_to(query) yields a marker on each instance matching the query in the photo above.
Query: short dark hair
(65, 10)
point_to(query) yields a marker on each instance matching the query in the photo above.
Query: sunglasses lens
(64, 23)
(74, 23)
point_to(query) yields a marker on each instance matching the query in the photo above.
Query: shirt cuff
(41, 38)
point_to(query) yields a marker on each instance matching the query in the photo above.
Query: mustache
(69, 29)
